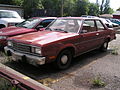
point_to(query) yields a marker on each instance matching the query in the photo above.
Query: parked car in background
(117, 21)
(108, 24)
(31, 25)
(111, 23)
(88, 16)
(9, 18)
(65, 38)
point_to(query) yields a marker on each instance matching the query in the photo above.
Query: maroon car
(31, 25)
(62, 40)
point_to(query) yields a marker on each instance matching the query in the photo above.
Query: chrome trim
(31, 59)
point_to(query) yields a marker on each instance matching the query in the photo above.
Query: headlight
(10, 43)
(3, 37)
(36, 50)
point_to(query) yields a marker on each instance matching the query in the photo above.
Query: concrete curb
(22, 78)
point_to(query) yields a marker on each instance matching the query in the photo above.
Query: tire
(2, 26)
(63, 60)
(104, 46)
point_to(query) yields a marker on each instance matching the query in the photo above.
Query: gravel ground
(82, 72)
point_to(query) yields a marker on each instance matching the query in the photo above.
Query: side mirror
(39, 26)
(84, 31)
(109, 26)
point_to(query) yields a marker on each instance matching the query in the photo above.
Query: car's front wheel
(63, 60)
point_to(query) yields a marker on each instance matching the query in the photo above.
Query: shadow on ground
(47, 71)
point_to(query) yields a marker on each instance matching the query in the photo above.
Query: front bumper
(31, 59)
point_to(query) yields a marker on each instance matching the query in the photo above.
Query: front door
(88, 37)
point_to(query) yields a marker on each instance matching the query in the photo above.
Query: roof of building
(12, 6)
(116, 13)
(106, 16)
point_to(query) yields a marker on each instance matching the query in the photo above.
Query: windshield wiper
(60, 30)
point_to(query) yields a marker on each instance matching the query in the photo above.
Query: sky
(114, 4)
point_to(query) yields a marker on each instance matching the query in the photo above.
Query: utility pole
(62, 8)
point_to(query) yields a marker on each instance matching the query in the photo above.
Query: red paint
(116, 16)
(13, 31)
(17, 80)
(53, 42)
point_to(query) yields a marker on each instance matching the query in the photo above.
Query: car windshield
(65, 25)
(30, 23)
(8, 14)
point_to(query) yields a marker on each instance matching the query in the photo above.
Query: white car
(109, 25)
(9, 18)
(114, 24)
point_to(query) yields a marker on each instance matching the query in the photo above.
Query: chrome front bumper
(31, 59)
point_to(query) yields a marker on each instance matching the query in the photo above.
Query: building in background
(107, 16)
(116, 15)
(12, 7)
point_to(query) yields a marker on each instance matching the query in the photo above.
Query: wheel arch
(71, 48)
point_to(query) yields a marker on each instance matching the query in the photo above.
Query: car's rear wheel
(63, 60)
(104, 46)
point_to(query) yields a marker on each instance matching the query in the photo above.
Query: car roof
(82, 18)
(43, 18)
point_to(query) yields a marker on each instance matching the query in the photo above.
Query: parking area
(80, 75)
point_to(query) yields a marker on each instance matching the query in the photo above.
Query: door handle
(97, 34)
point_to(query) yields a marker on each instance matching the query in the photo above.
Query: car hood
(43, 37)
(11, 31)
(12, 20)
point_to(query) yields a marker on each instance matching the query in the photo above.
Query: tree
(118, 9)
(81, 7)
(54, 5)
(105, 7)
(29, 5)
(18, 2)
(93, 9)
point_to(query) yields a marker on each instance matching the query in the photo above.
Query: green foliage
(18, 2)
(29, 5)
(105, 7)
(114, 51)
(81, 7)
(93, 9)
(6, 85)
(70, 7)
(98, 82)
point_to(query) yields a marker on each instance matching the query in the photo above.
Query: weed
(6, 85)
(98, 82)
(114, 51)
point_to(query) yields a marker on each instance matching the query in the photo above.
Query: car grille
(21, 47)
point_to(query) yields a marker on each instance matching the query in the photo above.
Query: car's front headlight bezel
(36, 50)
(3, 37)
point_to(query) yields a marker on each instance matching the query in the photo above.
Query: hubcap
(64, 59)
(105, 45)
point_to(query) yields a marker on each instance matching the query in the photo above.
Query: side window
(99, 25)
(89, 26)
(45, 23)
